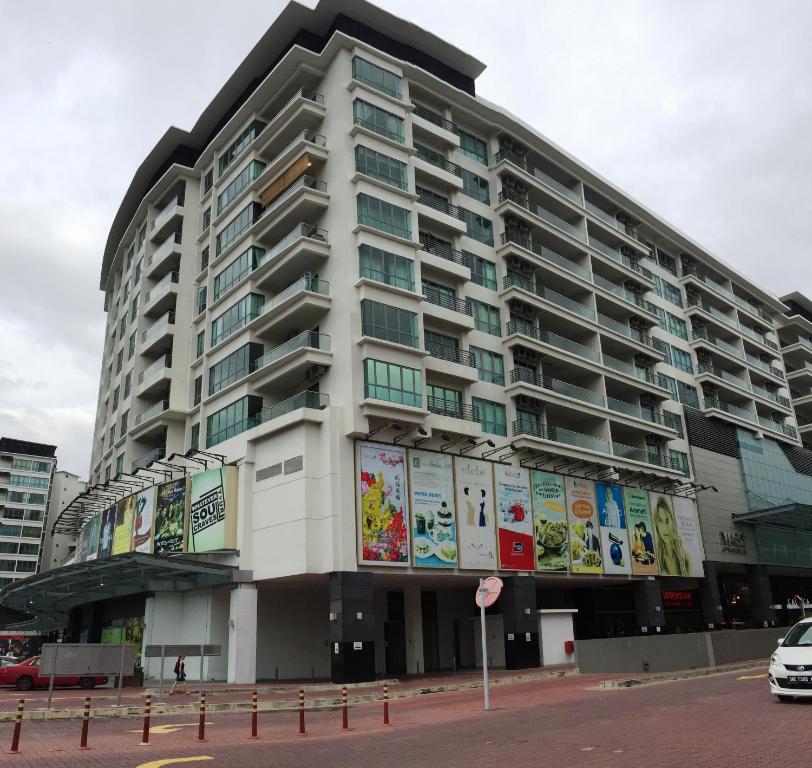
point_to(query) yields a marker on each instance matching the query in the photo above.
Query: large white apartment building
(350, 243)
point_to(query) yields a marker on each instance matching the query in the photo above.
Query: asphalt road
(721, 721)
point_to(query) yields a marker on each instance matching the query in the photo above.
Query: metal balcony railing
(451, 354)
(452, 408)
(437, 160)
(433, 296)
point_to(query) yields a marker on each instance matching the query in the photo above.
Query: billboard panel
(614, 534)
(434, 526)
(514, 519)
(550, 520)
(106, 529)
(142, 523)
(382, 505)
(676, 535)
(641, 532)
(170, 517)
(122, 534)
(584, 527)
(213, 510)
(473, 484)
(88, 544)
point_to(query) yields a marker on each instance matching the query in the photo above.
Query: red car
(26, 676)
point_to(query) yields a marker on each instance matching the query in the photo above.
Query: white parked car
(790, 670)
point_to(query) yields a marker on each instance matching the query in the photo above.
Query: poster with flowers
(383, 505)
(514, 518)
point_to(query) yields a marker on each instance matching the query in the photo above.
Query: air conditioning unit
(517, 264)
(315, 372)
(524, 355)
(528, 403)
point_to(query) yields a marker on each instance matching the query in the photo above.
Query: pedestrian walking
(180, 675)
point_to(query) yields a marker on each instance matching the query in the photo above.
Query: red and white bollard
(85, 724)
(254, 716)
(201, 726)
(386, 703)
(18, 724)
(344, 714)
(301, 713)
(147, 709)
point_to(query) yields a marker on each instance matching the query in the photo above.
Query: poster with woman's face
(514, 518)
(142, 522)
(473, 483)
(641, 532)
(434, 526)
(108, 524)
(676, 535)
(584, 527)
(614, 536)
(550, 516)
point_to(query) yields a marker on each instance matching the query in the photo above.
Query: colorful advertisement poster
(88, 544)
(676, 535)
(550, 519)
(212, 510)
(170, 517)
(434, 526)
(614, 535)
(106, 528)
(514, 518)
(641, 532)
(473, 483)
(584, 527)
(142, 524)
(123, 532)
(112, 635)
(383, 505)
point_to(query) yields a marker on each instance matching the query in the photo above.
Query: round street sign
(488, 593)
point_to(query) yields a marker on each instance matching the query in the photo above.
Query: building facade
(26, 475)
(58, 548)
(351, 262)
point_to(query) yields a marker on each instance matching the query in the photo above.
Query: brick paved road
(721, 721)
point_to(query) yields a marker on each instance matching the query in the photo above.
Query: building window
(204, 258)
(384, 321)
(492, 417)
(142, 235)
(394, 383)
(200, 343)
(386, 267)
(483, 272)
(124, 419)
(233, 367)
(486, 317)
(478, 227)
(472, 147)
(115, 397)
(119, 361)
(107, 470)
(248, 174)
(491, 366)
(661, 316)
(29, 482)
(444, 400)
(201, 299)
(239, 224)
(122, 326)
(130, 254)
(687, 394)
(198, 390)
(134, 309)
(681, 360)
(378, 120)
(112, 435)
(475, 186)
(236, 316)
(205, 219)
(131, 346)
(667, 262)
(674, 420)
(128, 380)
(671, 292)
(677, 326)
(119, 464)
(237, 270)
(233, 419)
(383, 216)
(381, 167)
(669, 383)
(194, 437)
(376, 77)
(679, 460)
(239, 145)
(208, 181)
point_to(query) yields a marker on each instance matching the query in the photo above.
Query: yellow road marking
(752, 677)
(173, 760)
(168, 728)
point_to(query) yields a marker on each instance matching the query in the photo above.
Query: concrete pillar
(520, 619)
(242, 634)
(648, 605)
(352, 627)
(761, 596)
(412, 599)
(711, 598)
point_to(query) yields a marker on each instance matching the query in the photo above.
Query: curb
(667, 677)
(287, 705)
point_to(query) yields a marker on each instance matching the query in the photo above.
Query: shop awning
(48, 597)
(792, 515)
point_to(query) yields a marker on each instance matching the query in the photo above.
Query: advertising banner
(676, 535)
(123, 532)
(641, 532)
(383, 505)
(614, 536)
(473, 484)
(584, 527)
(170, 517)
(88, 545)
(213, 510)
(550, 519)
(514, 520)
(106, 528)
(142, 524)
(434, 526)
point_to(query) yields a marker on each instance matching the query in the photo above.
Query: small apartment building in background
(796, 346)
(26, 474)
(58, 548)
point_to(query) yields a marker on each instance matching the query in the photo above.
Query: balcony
(513, 280)
(551, 257)
(304, 358)
(548, 181)
(446, 309)
(524, 328)
(145, 459)
(438, 210)
(437, 166)
(628, 298)
(431, 123)
(165, 258)
(631, 334)
(155, 376)
(620, 258)
(454, 409)
(162, 296)
(548, 217)
(692, 272)
(773, 397)
(441, 257)
(161, 225)
(447, 360)
(151, 413)
(305, 110)
(786, 430)
(714, 402)
(301, 305)
(304, 200)
(159, 335)
(304, 248)
(757, 337)
(800, 371)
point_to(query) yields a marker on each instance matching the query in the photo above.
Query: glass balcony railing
(513, 279)
(306, 283)
(771, 396)
(756, 336)
(527, 376)
(775, 426)
(162, 250)
(634, 410)
(560, 261)
(306, 399)
(643, 374)
(525, 426)
(160, 288)
(155, 410)
(306, 340)
(544, 178)
(158, 326)
(300, 231)
(730, 378)
(167, 213)
(712, 401)
(630, 453)
(303, 182)
(153, 369)
(766, 367)
(145, 459)
(548, 337)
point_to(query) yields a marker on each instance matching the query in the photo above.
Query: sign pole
(161, 673)
(120, 676)
(51, 680)
(201, 670)
(484, 647)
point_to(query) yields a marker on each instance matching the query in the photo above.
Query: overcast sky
(701, 110)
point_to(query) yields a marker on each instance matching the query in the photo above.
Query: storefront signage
(678, 599)
(473, 481)
(550, 521)
(584, 526)
(614, 536)
(106, 530)
(732, 542)
(87, 545)
(514, 519)
(212, 510)
(434, 522)
(641, 532)
(676, 536)
(170, 517)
